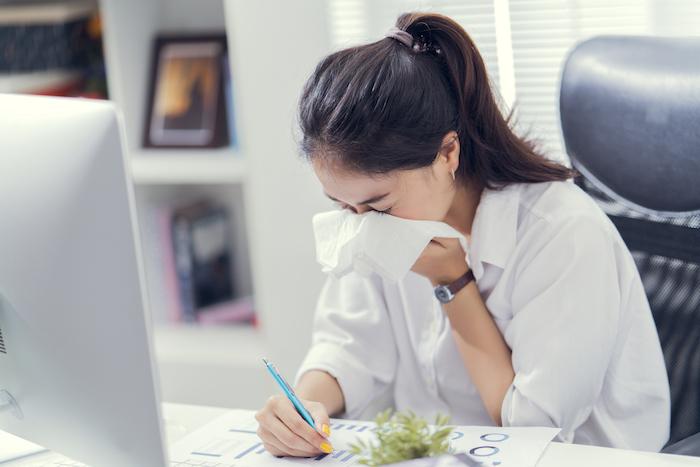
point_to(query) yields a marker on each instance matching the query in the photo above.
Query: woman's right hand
(285, 433)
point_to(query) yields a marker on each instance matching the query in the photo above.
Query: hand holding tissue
(373, 242)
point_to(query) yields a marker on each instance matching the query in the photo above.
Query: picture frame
(187, 97)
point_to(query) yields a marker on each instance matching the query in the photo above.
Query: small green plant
(403, 436)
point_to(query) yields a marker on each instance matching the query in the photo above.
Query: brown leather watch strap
(462, 282)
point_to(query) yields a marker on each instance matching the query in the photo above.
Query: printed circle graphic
(494, 437)
(484, 451)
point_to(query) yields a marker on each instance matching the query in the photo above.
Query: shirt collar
(494, 228)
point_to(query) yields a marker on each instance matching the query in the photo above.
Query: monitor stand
(9, 404)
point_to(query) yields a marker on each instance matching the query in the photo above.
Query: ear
(449, 150)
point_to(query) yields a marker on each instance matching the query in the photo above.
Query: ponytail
(387, 105)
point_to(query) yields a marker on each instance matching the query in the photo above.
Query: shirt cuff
(518, 410)
(356, 384)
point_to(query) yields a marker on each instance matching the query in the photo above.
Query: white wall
(275, 46)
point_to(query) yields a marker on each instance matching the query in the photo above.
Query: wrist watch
(446, 293)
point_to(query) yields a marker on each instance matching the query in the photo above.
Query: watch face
(443, 294)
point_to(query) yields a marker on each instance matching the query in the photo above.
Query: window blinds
(524, 42)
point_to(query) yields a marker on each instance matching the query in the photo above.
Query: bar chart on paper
(232, 440)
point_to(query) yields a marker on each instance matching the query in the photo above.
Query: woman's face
(421, 194)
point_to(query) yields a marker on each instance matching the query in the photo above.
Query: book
(53, 82)
(44, 35)
(52, 49)
(43, 12)
(170, 273)
(240, 310)
(230, 107)
(202, 260)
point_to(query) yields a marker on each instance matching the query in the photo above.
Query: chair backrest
(630, 115)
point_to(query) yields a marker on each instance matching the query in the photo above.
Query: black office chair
(630, 115)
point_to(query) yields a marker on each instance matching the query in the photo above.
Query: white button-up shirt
(565, 293)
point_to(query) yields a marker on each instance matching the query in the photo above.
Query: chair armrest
(689, 446)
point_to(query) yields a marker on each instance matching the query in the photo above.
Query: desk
(181, 419)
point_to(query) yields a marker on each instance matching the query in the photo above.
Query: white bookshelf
(205, 166)
(269, 192)
(191, 357)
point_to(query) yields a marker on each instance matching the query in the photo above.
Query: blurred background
(207, 90)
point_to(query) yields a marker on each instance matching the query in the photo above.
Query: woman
(555, 330)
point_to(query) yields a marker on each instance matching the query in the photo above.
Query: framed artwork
(187, 98)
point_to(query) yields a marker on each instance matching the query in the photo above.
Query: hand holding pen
(289, 426)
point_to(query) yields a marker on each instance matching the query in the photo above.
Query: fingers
(290, 417)
(278, 448)
(288, 436)
(320, 416)
(284, 432)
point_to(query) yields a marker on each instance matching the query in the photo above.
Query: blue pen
(290, 394)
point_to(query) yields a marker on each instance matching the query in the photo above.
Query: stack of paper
(231, 440)
(12, 447)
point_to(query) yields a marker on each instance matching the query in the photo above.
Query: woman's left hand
(443, 261)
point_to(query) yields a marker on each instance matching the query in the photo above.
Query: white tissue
(373, 242)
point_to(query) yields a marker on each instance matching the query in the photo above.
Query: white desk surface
(190, 417)
(181, 419)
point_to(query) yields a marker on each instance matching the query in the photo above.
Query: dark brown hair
(385, 106)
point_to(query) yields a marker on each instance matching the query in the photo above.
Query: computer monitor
(77, 373)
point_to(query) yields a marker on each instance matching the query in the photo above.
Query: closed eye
(345, 206)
